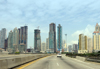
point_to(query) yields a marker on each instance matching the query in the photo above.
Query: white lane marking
(57, 64)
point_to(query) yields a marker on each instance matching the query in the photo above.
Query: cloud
(72, 42)
(87, 31)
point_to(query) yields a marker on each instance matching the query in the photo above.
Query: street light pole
(66, 40)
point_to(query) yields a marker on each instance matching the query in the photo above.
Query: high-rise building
(64, 45)
(2, 37)
(75, 48)
(96, 39)
(16, 39)
(89, 45)
(47, 44)
(78, 44)
(82, 44)
(43, 47)
(69, 48)
(10, 42)
(23, 38)
(6, 44)
(59, 38)
(37, 40)
(52, 38)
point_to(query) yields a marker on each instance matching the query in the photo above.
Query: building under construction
(23, 38)
(37, 40)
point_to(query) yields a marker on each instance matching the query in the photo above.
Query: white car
(59, 55)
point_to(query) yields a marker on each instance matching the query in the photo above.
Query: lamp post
(66, 39)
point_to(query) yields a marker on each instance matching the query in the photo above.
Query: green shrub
(17, 52)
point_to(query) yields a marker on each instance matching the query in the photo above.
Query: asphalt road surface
(52, 62)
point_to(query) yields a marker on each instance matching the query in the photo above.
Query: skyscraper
(23, 38)
(78, 44)
(43, 47)
(6, 44)
(59, 38)
(2, 37)
(47, 44)
(96, 38)
(10, 42)
(52, 38)
(75, 48)
(82, 44)
(69, 48)
(90, 45)
(37, 40)
(64, 46)
(16, 39)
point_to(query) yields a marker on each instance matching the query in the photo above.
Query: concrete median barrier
(26, 59)
(23, 60)
(10, 62)
(81, 58)
(15, 61)
(3, 64)
(38, 56)
(31, 58)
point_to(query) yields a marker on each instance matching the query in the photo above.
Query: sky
(75, 16)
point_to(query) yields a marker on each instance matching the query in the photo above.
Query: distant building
(96, 39)
(47, 44)
(82, 44)
(23, 34)
(10, 42)
(64, 46)
(30, 50)
(6, 44)
(37, 40)
(52, 38)
(43, 47)
(69, 48)
(16, 39)
(59, 38)
(78, 44)
(75, 48)
(90, 45)
(2, 37)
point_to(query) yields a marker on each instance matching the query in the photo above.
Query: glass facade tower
(52, 38)
(59, 38)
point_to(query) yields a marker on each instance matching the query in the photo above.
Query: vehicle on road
(59, 55)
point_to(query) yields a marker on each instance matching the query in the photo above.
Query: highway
(52, 62)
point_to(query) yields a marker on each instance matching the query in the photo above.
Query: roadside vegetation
(95, 55)
(17, 52)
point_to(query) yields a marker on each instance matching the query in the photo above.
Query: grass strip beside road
(25, 65)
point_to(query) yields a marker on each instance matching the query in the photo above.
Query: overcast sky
(75, 17)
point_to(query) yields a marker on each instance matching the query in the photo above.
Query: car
(59, 55)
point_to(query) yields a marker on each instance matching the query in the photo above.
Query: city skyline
(49, 34)
(75, 17)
